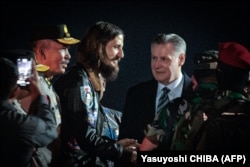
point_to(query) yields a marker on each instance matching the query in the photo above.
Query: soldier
(205, 75)
(189, 127)
(228, 113)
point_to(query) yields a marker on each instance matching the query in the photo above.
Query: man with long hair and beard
(84, 144)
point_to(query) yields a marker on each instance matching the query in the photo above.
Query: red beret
(234, 54)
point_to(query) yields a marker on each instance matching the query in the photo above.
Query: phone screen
(24, 66)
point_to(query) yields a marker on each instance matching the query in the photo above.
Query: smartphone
(24, 66)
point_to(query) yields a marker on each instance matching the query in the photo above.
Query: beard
(109, 72)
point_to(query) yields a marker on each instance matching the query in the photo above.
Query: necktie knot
(165, 90)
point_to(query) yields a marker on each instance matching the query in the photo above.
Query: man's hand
(127, 143)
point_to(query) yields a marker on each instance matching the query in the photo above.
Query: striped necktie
(163, 100)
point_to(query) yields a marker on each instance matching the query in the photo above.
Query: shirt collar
(170, 86)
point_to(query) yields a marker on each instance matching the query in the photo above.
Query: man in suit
(168, 54)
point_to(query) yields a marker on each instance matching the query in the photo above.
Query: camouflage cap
(206, 60)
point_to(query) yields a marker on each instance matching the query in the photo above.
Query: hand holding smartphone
(24, 66)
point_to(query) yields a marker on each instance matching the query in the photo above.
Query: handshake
(130, 145)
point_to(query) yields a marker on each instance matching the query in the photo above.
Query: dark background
(202, 24)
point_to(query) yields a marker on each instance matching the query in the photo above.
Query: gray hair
(177, 41)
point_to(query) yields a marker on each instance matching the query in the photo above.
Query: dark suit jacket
(139, 108)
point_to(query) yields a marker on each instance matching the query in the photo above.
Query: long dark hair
(98, 34)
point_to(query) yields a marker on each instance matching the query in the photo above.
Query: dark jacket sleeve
(46, 128)
(139, 110)
(33, 130)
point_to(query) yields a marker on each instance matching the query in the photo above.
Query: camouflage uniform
(227, 127)
(190, 126)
